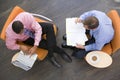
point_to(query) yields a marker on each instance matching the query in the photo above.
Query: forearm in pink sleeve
(38, 33)
(11, 44)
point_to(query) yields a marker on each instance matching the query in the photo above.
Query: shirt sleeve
(35, 27)
(95, 46)
(11, 44)
(38, 32)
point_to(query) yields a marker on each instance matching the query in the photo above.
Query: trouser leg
(51, 42)
(59, 50)
(47, 28)
(81, 53)
(63, 54)
(30, 41)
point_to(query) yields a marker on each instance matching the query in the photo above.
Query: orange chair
(42, 53)
(114, 45)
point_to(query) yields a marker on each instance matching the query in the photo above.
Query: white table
(98, 59)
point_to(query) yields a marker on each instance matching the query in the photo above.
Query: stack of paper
(75, 32)
(24, 61)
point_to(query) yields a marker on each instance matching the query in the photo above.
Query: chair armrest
(115, 43)
(41, 16)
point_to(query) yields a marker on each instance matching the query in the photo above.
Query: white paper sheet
(75, 32)
(24, 61)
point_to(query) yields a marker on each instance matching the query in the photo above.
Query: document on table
(75, 32)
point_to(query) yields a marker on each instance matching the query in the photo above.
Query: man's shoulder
(24, 13)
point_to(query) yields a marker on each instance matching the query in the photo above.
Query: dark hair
(17, 26)
(92, 22)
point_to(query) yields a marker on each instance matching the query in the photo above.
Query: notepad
(75, 32)
(24, 61)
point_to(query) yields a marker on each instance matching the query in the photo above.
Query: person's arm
(32, 50)
(11, 43)
(98, 45)
(80, 46)
(35, 26)
(38, 32)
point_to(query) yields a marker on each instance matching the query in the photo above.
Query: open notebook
(24, 61)
(75, 32)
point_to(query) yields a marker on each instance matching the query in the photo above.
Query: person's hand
(24, 48)
(77, 20)
(79, 46)
(32, 50)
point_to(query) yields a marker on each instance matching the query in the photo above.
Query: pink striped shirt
(29, 22)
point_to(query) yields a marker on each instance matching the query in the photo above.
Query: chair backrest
(12, 15)
(115, 43)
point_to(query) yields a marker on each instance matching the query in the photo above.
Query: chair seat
(42, 53)
(114, 45)
(107, 48)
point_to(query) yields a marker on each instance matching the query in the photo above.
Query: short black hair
(17, 26)
(92, 22)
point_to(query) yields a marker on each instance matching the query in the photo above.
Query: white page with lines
(75, 32)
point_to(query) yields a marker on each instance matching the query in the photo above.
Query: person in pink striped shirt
(26, 29)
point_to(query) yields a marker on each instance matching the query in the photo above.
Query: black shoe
(55, 62)
(64, 45)
(66, 57)
(64, 37)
